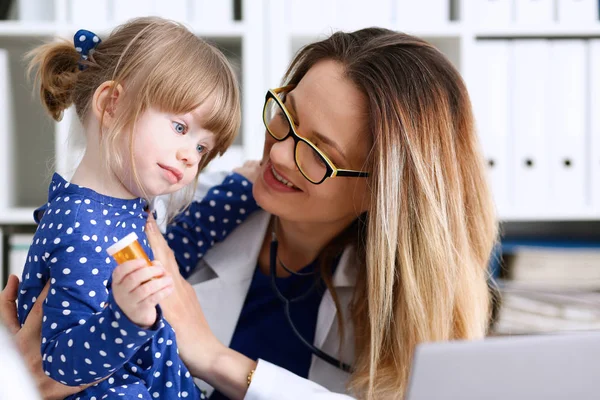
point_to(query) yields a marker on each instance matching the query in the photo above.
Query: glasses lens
(311, 164)
(275, 120)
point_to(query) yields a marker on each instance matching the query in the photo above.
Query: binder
(593, 94)
(494, 12)
(126, 10)
(177, 10)
(315, 16)
(357, 14)
(87, 13)
(36, 10)
(7, 149)
(567, 125)
(19, 247)
(534, 11)
(211, 13)
(577, 11)
(422, 13)
(529, 93)
(490, 98)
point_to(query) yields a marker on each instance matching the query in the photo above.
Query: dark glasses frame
(331, 169)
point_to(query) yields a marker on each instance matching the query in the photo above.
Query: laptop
(548, 367)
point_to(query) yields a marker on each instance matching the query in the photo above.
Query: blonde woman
(377, 228)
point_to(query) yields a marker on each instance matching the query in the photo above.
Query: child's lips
(173, 174)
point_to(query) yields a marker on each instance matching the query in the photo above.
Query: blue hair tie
(85, 43)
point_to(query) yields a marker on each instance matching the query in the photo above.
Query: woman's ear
(105, 100)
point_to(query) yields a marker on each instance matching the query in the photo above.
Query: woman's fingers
(250, 170)
(8, 305)
(33, 322)
(153, 233)
(160, 247)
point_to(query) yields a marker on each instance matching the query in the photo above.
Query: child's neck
(93, 174)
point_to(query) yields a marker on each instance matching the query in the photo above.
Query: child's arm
(85, 335)
(210, 220)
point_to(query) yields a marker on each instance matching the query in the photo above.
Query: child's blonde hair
(160, 64)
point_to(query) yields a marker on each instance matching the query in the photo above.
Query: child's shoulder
(61, 210)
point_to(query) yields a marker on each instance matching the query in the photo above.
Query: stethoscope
(286, 307)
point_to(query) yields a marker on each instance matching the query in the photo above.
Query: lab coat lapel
(343, 281)
(224, 275)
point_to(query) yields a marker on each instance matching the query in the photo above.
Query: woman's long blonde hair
(424, 246)
(160, 64)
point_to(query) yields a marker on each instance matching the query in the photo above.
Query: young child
(157, 104)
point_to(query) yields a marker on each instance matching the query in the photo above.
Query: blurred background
(531, 66)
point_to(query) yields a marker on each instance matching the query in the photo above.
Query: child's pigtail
(56, 66)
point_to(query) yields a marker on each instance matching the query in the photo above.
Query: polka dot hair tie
(85, 43)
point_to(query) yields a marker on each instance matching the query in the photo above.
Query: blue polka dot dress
(209, 221)
(85, 335)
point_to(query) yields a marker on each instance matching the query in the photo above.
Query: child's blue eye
(200, 149)
(179, 128)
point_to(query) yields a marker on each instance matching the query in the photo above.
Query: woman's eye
(318, 158)
(179, 128)
(200, 149)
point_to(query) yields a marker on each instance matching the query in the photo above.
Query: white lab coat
(221, 282)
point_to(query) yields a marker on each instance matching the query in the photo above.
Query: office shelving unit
(260, 40)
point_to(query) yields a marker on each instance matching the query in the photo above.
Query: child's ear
(105, 99)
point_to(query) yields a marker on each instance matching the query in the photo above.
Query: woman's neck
(92, 173)
(299, 243)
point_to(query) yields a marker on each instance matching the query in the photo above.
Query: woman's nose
(282, 153)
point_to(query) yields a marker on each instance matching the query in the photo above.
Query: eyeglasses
(314, 165)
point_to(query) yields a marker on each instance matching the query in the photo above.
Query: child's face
(167, 149)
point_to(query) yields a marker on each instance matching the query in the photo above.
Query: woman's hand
(206, 357)
(29, 339)
(181, 308)
(249, 170)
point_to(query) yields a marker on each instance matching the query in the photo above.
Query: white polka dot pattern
(86, 336)
(209, 221)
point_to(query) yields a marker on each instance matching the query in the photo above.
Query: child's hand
(249, 170)
(138, 288)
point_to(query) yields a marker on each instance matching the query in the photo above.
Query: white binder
(594, 122)
(19, 247)
(490, 98)
(566, 129)
(35, 10)
(126, 10)
(357, 14)
(7, 150)
(577, 11)
(534, 11)
(212, 13)
(494, 12)
(87, 14)
(315, 16)
(422, 13)
(529, 93)
(177, 10)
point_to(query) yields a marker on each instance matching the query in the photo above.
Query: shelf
(17, 216)
(449, 30)
(539, 31)
(235, 29)
(550, 216)
(26, 29)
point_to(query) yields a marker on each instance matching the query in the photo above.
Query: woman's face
(330, 112)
